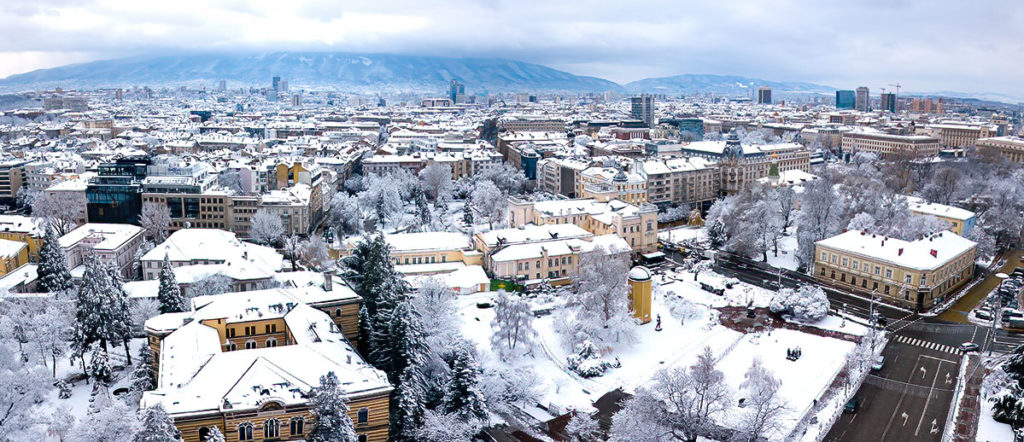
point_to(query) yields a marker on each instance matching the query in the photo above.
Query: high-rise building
(844, 99)
(222, 86)
(764, 95)
(455, 89)
(889, 102)
(284, 85)
(642, 108)
(277, 83)
(862, 102)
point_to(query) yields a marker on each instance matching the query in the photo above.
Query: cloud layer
(927, 45)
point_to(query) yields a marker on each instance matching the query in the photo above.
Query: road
(910, 397)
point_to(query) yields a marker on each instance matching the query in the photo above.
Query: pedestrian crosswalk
(927, 344)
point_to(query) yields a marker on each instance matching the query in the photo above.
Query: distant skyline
(928, 46)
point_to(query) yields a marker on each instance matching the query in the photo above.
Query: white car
(879, 363)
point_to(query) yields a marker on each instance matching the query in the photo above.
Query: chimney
(900, 253)
(327, 281)
(935, 253)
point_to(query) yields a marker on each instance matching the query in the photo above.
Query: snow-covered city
(530, 222)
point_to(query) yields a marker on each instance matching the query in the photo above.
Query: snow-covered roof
(926, 254)
(214, 246)
(921, 206)
(21, 224)
(10, 248)
(639, 273)
(611, 242)
(101, 236)
(532, 232)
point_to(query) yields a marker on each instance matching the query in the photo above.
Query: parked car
(879, 363)
(852, 405)
(983, 314)
(969, 347)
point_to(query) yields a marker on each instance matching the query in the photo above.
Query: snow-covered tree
(52, 272)
(467, 214)
(508, 179)
(155, 219)
(599, 310)
(24, 386)
(329, 406)
(215, 435)
(445, 427)
(292, 248)
(314, 254)
(807, 303)
(463, 396)
(119, 312)
(673, 214)
(170, 296)
(862, 221)
(141, 377)
(436, 301)
(212, 284)
(266, 228)
(155, 425)
(489, 202)
(643, 418)
(115, 422)
(822, 215)
(60, 210)
(512, 330)
(345, 214)
(435, 179)
(582, 428)
(385, 196)
(95, 319)
(506, 389)
(409, 409)
(763, 407)
(371, 273)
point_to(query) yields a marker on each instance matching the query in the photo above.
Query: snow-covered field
(787, 253)
(677, 345)
(988, 429)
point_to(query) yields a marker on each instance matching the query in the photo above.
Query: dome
(639, 273)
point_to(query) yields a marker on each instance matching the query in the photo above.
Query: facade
(764, 95)
(912, 274)
(425, 253)
(197, 253)
(13, 254)
(560, 175)
(888, 102)
(642, 108)
(961, 221)
(12, 178)
(890, 146)
(23, 229)
(113, 244)
(740, 165)
(640, 286)
(961, 135)
(115, 194)
(845, 99)
(608, 183)
(693, 180)
(246, 362)
(1011, 148)
(525, 124)
(862, 101)
(637, 225)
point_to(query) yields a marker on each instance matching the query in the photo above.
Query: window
(888, 273)
(203, 433)
(362, 438)
(886, 289)
(845, 262)
(250, 344)
(231, 332)
(271, 428)
(337, 312)
(878, 270)
(856, 265)
(363, 416)
(924, 279)
(907, 278)
(296, 426)
(245, 431)
(271, 342)
(232, 347)
(824, 256)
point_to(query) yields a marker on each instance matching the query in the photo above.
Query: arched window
(337, 312)
(203, 433)
(271, 342)
(364, 415)
(362, 438)
(232, 347)
(245, 431)
(250, 344)
(296, 426)
(271, 428)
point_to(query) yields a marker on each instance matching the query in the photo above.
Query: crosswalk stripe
(926, 344)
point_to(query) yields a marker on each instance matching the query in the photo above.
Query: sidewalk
(965, 423)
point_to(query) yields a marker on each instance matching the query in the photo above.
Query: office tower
(844, 99)
(862, 102)
(277, 83)
(889, 102)
(296, 100)
(222, 86)
(284, 85)
(642, 108)
(764, 95)
(456, 89)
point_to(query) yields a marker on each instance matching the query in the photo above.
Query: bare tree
(156, 219)
(60, 210)
(266, 227)
(313, 252)
(763, 405)
(489, 202)
(436, 178)
(292, 246)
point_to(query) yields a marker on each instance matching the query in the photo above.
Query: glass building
(115, 194)
(845, 99)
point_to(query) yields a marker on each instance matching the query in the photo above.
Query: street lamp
(999, 310)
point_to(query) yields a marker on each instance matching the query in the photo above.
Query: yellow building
(912, 274)
(640, 293)
(638, 225)
(246, 362)
(607, 183)
(23, 229)
(13, 254)
(424, 253)
(961, 221)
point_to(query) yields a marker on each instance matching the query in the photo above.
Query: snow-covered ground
(787, 253)
(988, 429)
(677, 345)
(679, 234)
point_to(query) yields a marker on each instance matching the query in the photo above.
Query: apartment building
(113, 244)
(245, 363)
(961, 221)
(889, 145)
(636, 224)
(23, 229)
(694, 181)
(560, 175)
(12, 177)
(912, 274)
(609, 183)
(960, 135)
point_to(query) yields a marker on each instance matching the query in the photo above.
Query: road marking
(926, 344)
(938, 359)
(929, 399)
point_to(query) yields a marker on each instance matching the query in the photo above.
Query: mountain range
(373, 73)
(386, 73)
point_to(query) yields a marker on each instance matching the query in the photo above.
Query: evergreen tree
(409, 407)
(463, 396)
(53, 271)
(467, 214)
(215, 435)
(142, 376)
(422, 209)
(156, 426)
(372, 275)
(120, 312)
(329, 407)
(99, 369)
(95, 321)
(402, 344)
(170, 297)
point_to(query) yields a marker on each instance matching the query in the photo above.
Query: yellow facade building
(23, 229)
(13, 254)
(640, 286)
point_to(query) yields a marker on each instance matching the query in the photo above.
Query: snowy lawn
(682, 284)
(787, 254)
(679, 234)
(988, 429)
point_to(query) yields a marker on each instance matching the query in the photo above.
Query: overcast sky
(936, 45)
